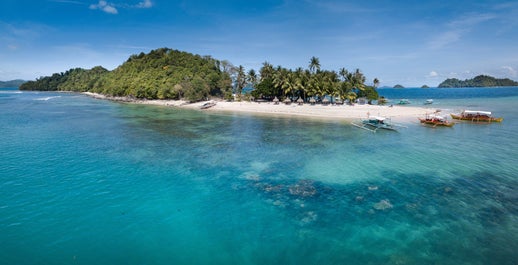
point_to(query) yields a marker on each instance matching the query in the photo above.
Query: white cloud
(445, 39)
(105, 6)
(145, 4)
(457, 28)
(433, 74)
(510, 71)
(111, 8)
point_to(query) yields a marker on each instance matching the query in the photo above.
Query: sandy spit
(333, 112)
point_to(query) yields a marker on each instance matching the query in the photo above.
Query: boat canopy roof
(379, 118)
(435, 116)
(477, 112)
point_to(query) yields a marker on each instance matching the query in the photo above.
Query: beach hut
(275, 101)
(312, 101)
(300, 101)
(287, 101)
(325, 101)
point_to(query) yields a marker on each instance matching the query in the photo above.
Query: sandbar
(333, 112)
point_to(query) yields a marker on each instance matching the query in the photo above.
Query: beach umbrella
(300, 101)
(287, 100)
(312, 101)
(276, 100)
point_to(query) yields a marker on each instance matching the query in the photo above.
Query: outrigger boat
(207, 105)
(374, 123)
(476, 116)
(403, 101)
(428, 102)
(436, 120)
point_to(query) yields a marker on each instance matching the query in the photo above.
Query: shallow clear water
(85, 181)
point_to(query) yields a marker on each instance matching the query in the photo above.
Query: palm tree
(344, 74)
(301, 80)
(251, 77)
(376, 83)
(266, 71)
(280, 78)
(358, 80)
(240, 80)
(314, 64)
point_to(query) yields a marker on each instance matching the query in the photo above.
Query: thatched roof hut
(287, 101)
(312, 101)
(276, 101)
(325, 101)
(300, 101)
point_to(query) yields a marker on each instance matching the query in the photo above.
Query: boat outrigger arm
(374, 123)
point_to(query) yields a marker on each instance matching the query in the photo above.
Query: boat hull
(436, 123)
(477, 119)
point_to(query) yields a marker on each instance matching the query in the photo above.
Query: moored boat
(428, 102)
(436, 120)
(476, 116)
(207, 105)
(373, 123)
(403, 101)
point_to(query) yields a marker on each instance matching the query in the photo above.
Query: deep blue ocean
(87, 181)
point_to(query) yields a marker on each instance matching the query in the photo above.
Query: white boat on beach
(208, 105)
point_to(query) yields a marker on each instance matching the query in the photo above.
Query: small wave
(47, 98)
(10, 92)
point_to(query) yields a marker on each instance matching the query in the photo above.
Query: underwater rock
(309, 217)
(383, 205)
(269, 188)
(373, 187)
(303, 188)
(253, 177)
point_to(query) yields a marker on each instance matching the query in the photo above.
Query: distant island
(425, 86)
(478, 81)
(11, 83)
(398, 86)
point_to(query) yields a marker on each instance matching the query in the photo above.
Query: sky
(412, 43)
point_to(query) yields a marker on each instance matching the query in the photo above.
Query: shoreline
(318, 111)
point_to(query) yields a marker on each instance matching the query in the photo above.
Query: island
(175, 78)
(478, 81)
(11, 83)
(399, 86)
(171, 74)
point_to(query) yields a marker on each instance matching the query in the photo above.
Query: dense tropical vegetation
(160, 74)
(312, 83)
(478, 81)
(170, 74)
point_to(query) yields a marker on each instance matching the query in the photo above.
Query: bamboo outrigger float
(476, 116)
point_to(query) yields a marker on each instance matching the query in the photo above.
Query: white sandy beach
(334, 112)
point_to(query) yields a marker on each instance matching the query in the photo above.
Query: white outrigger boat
(374, 123)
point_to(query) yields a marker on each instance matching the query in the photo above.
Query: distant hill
(399, 86)
(425, 86)
(12, 83)
(478, 81)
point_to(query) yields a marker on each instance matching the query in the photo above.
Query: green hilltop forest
(478, 81)
(161, 74)
(171, 74)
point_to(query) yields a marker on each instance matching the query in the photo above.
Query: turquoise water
(85, 181)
